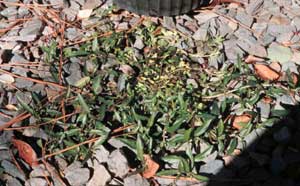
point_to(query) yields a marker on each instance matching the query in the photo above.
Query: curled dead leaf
(26, 152)
(11, 107)
(265, 72)
(239, 121)
(252, 59)
(151, 167)
(6, 79)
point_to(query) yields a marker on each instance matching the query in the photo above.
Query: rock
(101, 154)
(254, 7)
(13, 182)
(139, 44)
(32, 28)
(74, 171)
(251, 140)
(244, 18)
(201, 33)
(36, 182)
(283, 135)
(205, 17)
(136, 180)
(10, 12)
(118, 164)
(264, 108)
(12, 170)
(212, 167)
(58, 3)
(100, 176)
(168, 22)
(73, 34)
(39, 171)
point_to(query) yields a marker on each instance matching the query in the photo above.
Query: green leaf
(26, 106)
(200, 177)
(176, 124)
(203, 154)
(169, 172)
(84, 106)
(208, 118)
(232, 146)
(82, 82)
(96, 87)
(140, 148)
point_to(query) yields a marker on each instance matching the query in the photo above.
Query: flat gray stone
(12, 170)
(254, 7)
(101, 154)
(136, 180)
(264, 108)
(168, 22)
(36, 182)
(77, 177)
(244, 18)
(100, 176)
(212, 167)
(118, 164)
(32, 27)
(139, 44)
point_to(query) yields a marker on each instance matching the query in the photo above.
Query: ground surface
(92, 95)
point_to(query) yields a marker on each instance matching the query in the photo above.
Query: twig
(34, 80)
(19, 118)
(72, 147)
(41, 124)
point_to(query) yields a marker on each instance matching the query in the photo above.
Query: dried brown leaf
(252, 59)
(26, 152)
(238, 121)
(265, 72)
(151, 167)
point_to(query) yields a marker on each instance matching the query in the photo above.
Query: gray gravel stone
(100, 176)
(101, 154)
(118, 164)
(136, 180)
(212, 167)
(244, 18)
(32, 27)
(10, 12)
(265, 109)
(36, 182)
(139, 44)
(254, 7)
(13, 182)
(77, 177)
(168, 22)
(12, 170)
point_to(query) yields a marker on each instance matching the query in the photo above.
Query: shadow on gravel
(271, 159)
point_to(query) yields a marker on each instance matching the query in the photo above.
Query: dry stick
(19, 118)
(72, 147)
(42, 124)
(15, 162)
(34, 80)
(5, 115)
